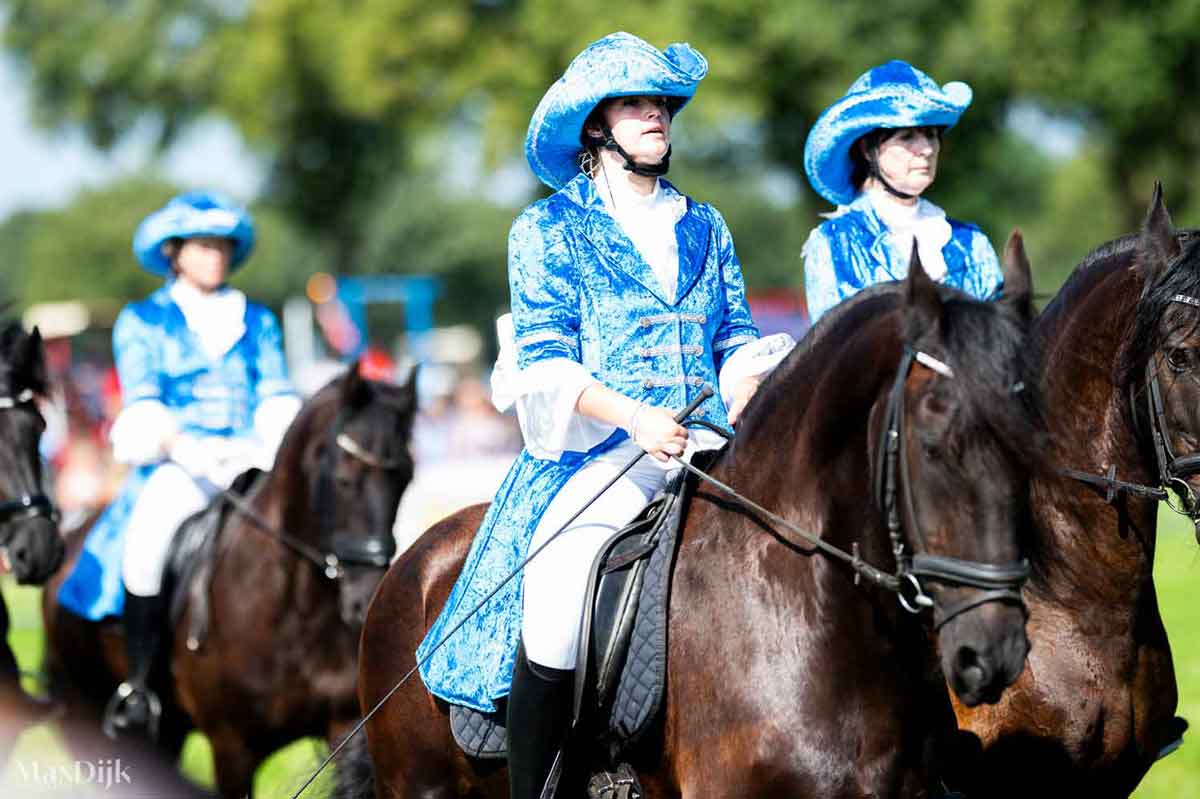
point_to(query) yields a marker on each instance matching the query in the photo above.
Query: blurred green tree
(83, 251)
(338, 96)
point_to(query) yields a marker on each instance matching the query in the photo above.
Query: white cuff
(141, 431)
(548, 393)
(272, 419)
(755, 359)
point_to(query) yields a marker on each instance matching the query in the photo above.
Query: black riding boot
(134, 708)
(539, 713)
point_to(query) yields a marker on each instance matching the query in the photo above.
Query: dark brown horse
(279, 659)
(1096, 703)
(30, 545)
(787, 676)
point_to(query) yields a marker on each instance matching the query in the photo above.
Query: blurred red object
(376, 364)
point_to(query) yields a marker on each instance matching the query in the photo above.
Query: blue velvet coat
(851, 251)
(580, 290)
(158, 357)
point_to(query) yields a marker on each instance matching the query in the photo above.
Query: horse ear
(924, 304)
(1018, 277)
(408, 389)
(29, 359)
(1157, 244)
(355, 391)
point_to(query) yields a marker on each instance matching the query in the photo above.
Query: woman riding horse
(206, 396)
(873, 153)
(627, 299)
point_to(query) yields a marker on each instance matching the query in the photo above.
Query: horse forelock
(1146, 333)
(995, 385)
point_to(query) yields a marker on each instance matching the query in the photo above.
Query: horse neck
(1100, 550)
(803, 448)
(285, 500)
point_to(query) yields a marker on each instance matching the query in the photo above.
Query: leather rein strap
(25, 506)
(1172, 471)
(997, 583)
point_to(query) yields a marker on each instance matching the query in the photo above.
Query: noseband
(893, 485)
(1173, 470)
(25, 506)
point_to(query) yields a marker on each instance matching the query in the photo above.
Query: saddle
(622, 662)
(191, 559)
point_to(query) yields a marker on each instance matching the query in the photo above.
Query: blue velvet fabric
(580, 290)
(851, 251)
(195, 213)
(892, 95)
(159, 358)
(618, 65)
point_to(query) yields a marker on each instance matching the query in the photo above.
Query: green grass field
(1177, 573)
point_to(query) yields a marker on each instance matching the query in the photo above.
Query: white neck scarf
(649, 221)
(217, 318)
(923, 221)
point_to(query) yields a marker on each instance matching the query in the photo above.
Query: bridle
(1173, 470)
(993, 582)
(374, 551)
(25, 506)
(893, 486)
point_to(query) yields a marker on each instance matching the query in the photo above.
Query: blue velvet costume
(851, 251)
(581, 291)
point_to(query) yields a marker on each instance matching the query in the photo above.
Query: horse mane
(983, 387)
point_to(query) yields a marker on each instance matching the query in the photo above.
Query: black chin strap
(873, 171)
(636, 167)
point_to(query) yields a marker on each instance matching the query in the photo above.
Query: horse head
(1160, 362)
(356, 464)
(30, 545)
(960, 434)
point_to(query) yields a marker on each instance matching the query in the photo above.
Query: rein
(998, 583)
(1173, 470)
(25, 506)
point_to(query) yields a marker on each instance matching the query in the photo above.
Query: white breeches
(169, 496)
(556, 580)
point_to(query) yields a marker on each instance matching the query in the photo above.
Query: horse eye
(1180, 359)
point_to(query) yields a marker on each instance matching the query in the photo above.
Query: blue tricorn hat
(195, 213)
(894, 95)
(619, 65)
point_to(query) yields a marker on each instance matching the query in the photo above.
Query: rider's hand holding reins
(656, 432)
(653, 429)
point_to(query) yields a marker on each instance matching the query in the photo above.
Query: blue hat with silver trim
(195, 213)
(619, 65)
(893, 95)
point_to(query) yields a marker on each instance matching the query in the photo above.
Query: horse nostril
(972, 670)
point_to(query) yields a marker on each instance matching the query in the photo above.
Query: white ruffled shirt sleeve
(754, 359)
(272, 419)
(140, 433)
(544, 395)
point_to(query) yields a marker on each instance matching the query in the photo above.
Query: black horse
(30, 545)
(792, 672)
(295, 563)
